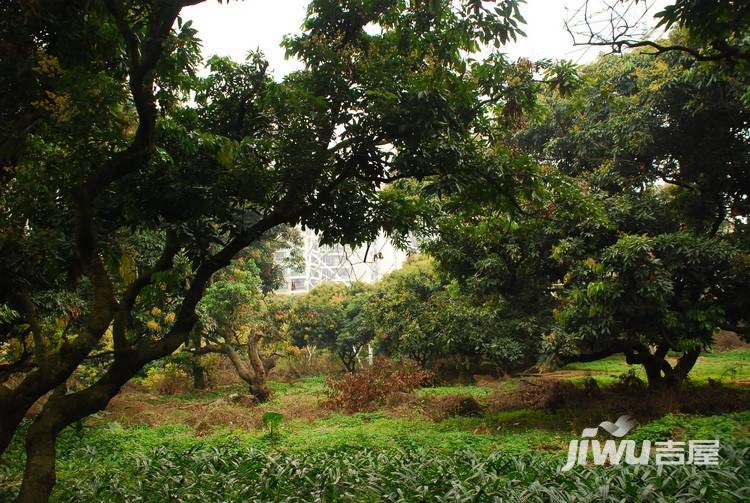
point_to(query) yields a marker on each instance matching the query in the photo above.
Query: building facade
(339, 264)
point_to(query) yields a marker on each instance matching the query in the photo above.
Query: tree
(425, 317)
(403, 313)
(334, 316)
(106, 147)
(658, 143)
(650, 295)
(499, 256)
(359, 325)
(230, 312)
(237, 311)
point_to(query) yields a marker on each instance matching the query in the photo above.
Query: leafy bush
(169, 379)
(360, 391)
(272, 420)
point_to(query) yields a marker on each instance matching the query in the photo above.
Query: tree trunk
(653, 370)
(59, 412)
(59, 365)
(661, 374)
(683, 367)
(260, 391)
(39, 473)
(250, 369)
(199, 373)
(62, 411)
(348, 360)
(259, 387)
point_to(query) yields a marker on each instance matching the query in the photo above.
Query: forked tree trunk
(684, 365)
(661, 375)
(251, 368)
(259, 386)
(39, 473)
(59, 412)
(15, 402)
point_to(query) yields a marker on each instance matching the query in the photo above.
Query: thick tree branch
(592, 356)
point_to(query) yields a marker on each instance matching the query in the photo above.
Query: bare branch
(616, 26)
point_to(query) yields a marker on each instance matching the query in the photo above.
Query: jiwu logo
(668, 452)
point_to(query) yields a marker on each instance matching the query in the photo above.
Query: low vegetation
(502, 439)
(221, 470)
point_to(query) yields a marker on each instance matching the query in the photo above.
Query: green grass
(475, 391)
(685, 427)
(728, 366)
(313, 385)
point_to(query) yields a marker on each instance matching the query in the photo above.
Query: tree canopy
(570, 213)
(106, 147)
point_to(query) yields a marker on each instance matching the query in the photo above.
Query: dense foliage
(113, 137)
(236, 473)
(631, 233)
(412, 313)
(335, 317)
(569, 213)
(661, 146)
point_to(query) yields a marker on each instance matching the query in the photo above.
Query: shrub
(629, 382)
(445, 406)
(271, 421)
(360, 391)
(169, 379)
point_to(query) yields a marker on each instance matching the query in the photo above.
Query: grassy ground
(727, 366)
(147, 433)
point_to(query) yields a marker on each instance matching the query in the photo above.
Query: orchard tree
(425, 317)
(238, 314)
(235, 320)
(334, 316)
(403, 312)
(661, 145)
(499, 254)
(106, 145)
(647, 296)
(359, 325)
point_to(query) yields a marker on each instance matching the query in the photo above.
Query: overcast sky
(235, 28)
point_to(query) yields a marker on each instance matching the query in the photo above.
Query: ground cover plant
(231, 473)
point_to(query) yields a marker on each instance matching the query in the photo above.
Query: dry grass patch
(135, 405)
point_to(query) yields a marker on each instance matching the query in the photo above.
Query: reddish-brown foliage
(360, 391)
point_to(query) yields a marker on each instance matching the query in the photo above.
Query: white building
(339, 264)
